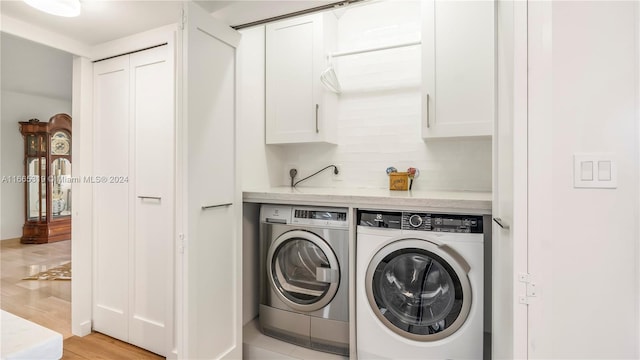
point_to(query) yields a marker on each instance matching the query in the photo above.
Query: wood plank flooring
(96, 346)
(44, 302)
(48, 303)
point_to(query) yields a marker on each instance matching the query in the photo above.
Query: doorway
(36, 82)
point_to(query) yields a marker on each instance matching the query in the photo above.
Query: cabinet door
(458, 50)
(111, 200)
(294, 60)
(211, 265)
(151, 252)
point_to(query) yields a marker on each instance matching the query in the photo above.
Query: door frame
(82, 196)
(82, 100)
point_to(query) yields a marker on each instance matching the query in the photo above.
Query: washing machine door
(418, 289)
(303, 271)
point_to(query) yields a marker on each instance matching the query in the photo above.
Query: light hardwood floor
(48, 303)
(100, 346)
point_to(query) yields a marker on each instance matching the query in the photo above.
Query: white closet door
(111, 200)
(151, 261)
(134, 199)
(212, 326)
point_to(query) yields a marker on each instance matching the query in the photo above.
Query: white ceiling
(26, 68)
(105, 20)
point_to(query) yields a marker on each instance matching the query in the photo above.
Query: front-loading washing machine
(304, 286)
(419, 285)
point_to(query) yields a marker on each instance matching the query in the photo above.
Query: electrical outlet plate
(286, 177)
(338, 176)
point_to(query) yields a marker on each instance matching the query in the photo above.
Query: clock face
(57, 206)
(60, 144)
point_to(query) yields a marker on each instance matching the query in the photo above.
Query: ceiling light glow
(66, 8)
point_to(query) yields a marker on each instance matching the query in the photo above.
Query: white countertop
(459, 201)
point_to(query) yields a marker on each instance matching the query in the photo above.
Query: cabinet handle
(499, 222)
(215, 206)
(150, 198)
(317, 129)
(428, 123)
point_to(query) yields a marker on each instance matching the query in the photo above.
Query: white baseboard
(83, 329)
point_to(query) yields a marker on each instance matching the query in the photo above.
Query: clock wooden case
(47, 166)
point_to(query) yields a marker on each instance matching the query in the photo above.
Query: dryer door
(303, 270)
(418, 289)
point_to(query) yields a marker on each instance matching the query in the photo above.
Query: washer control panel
(442, 222)
(416, 221)
(454, 223)
(380, 219)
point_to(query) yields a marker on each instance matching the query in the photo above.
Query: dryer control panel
(320, 216)
(304, 215)
(454, 223)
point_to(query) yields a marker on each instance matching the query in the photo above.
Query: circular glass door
(303, 270)
(418, 290)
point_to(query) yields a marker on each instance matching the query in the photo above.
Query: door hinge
(182, 243)
(183, 19)
(531, 289)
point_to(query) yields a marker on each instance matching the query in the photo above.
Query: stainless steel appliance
(304, 286)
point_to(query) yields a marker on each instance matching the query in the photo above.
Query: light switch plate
(595, 170)
(604, 170)
(586, 170)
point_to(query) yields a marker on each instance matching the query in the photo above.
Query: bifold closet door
(134, 147)
(111, 200)
(150, 252)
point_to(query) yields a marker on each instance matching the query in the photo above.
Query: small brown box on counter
(399, 181)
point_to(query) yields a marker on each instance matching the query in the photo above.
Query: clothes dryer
(419, 286)
(304, 285)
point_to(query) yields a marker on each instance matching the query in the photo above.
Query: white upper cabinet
(458, 68)
(298, 108)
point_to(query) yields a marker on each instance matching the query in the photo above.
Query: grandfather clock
(47, 165)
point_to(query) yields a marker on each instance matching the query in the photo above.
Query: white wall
(583, 243)
(36, 83)
(379, 115)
